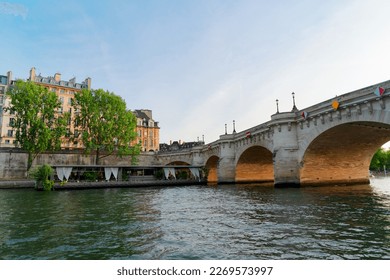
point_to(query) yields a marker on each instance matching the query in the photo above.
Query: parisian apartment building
(7, 134)
(147, 129)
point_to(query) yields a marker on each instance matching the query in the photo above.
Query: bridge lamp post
(277, 106)
(234, 126)
(294, 109)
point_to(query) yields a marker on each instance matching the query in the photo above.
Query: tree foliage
(42, 175)
(106, 126)
(38, 127)
(380, 160)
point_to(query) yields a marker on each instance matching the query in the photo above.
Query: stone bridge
(331, 142)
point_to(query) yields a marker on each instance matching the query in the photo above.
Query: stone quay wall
(13, 162)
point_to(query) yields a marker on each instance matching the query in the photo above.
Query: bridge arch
(255, 164)
(178, 163)
(212, 169)
(343, 152)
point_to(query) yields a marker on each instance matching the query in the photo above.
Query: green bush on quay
(41, 175)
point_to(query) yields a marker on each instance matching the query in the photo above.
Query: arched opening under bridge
(178, 163)
(342, 154)
(255, 165)
(211, 168)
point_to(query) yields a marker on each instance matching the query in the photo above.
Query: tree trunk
(97, 157)
(29, 161)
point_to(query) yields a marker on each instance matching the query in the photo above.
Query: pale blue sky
(200, 64)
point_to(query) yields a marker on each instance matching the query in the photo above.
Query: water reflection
(198, 222)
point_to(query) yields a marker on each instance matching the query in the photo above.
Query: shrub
(90, 176)
(182, 175)
(41, 175)
(159, 175)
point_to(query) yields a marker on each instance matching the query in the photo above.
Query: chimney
(9, 77)
(57, 77)
(32, 74)
(88, 83)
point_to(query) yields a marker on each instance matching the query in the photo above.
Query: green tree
(107, 127)
(380, 159)
(38, 125)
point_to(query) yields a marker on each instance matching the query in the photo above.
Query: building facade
(7, 136)
(65, 91)
(148, 131)
(179, 146)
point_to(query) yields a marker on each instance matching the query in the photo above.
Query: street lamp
(294, 109)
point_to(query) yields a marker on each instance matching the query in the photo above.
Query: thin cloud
(13, 9)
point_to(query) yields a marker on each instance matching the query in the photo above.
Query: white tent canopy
(111, 170)
(63, 173)
(169, 170)
(195, 172)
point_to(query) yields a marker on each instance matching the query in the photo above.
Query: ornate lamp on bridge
(294, 109)
(277, 106)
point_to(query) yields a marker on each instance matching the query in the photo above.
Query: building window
(3, 80)
(10, 133)
(11, 122)
(6, 142)
(62, 100)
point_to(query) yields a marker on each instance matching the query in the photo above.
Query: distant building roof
(142, 115)
(146, 116)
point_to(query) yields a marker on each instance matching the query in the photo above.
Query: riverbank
(17, 184)
(74, 185)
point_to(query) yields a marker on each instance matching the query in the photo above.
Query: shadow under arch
(178, 163)
(212, 169)
(342, 154)
(255, 165)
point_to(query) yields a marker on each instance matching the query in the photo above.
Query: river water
(198, 222)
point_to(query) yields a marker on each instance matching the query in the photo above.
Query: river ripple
(198, 222)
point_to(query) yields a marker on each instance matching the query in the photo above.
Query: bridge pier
(285, 152)
(286, 168)
(226, 164)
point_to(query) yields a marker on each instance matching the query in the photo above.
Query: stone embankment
(74, 185)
